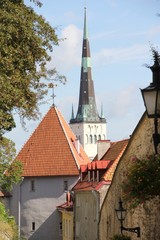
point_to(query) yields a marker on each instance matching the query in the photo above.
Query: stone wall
(146, 216)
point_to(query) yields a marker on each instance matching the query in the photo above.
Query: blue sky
(121, 33)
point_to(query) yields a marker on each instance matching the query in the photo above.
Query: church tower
(88, 126)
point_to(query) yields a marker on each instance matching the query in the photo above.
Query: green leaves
(120, 237)
(10, 171)
(142, 180)
(7, 224)
(25, 42)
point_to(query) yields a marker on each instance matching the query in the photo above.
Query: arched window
(91, 139)
(104, 137)
(95, 138)
(99, 137)
(86, 139)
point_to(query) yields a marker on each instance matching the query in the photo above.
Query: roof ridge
(40, 120)
(59, 117)
(126, 139)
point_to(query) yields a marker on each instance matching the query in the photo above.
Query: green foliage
(3, 213)
(120, 237)
(142, 180)
(25, 42)
(10, 171)
(7, 224)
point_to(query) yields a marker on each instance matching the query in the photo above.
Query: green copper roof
(85, 31)
(87, 109)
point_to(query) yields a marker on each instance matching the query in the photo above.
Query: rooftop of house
(52, 149)
(68, 205)
(5, 194)
(100, 172)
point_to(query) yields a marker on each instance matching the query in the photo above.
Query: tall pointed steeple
(88, 126)
(87, 109)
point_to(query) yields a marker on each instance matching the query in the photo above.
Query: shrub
(142, 181)
(120, 237)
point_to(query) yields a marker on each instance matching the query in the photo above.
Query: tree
(25, 42)
(10, 171)
(8, 228)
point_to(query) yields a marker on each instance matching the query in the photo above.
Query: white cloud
(113, 3)
(122, 102)
(153, 32)
(68, 54)
(114, 55)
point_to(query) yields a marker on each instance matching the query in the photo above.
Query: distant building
(88, 126)
(51, 161)
(91, 189)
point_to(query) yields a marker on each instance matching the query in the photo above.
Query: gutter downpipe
(96, 196)
(19, 207)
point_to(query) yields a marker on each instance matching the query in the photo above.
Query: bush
(120, 237)
(7, 224)
(142, 181)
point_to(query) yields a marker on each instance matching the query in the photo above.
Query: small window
(86, 139)
(33, 226)
(60, 228)
(95, 139)
(65, 185)
(32, 185)
(91, 139)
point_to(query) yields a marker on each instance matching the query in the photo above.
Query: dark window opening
(32, 185)
(60, 228)
(66, 185)
(33, 226)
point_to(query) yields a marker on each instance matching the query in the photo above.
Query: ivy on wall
(142, 180)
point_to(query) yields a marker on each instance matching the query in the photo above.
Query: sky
(121, 34)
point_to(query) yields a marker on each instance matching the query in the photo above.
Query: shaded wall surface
(36, 211)
(86, 215)
(146, 216)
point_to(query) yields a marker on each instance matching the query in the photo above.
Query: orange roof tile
(103, 164)
(50, 151)
(114, 154)
(108, 163)
(85, 186)
(5, 194)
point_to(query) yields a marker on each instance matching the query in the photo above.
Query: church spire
(87, 125)
(87, 109)
(72, 115)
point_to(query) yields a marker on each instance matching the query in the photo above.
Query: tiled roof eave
(67, 140)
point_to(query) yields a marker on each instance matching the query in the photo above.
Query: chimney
(102, 147)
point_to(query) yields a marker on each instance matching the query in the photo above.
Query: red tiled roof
(103, 164)
(50, 151)
(115, 149)
(108, 162)
(114, 154)
(83, 168)
(65, 206)
(95, 165)
(85, 186)
(5, 194)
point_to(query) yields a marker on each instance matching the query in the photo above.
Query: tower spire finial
(52, 85)
(72, 114)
